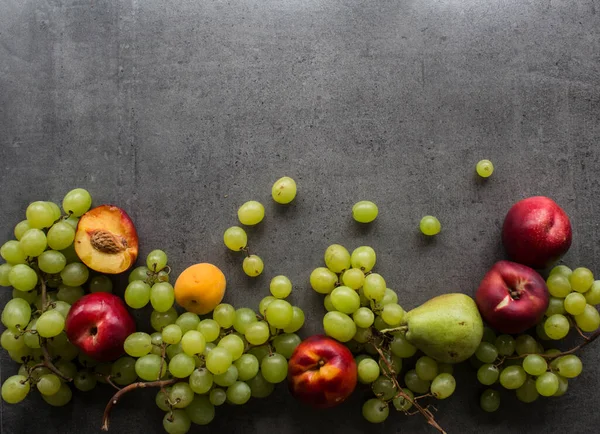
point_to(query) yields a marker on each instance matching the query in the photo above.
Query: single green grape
(159, 320)
(353, 278)
(558, 285)
(251, 213)
(234, 344)
(547, 384)
(364, 211)
(400, 347)
(484, 168)
(243, 317)
(589, 320)
(172, 334)
(74, 274)
(280, 286)
(162, 296)
(247, 367)
(193, 342)
(393, 314)
(426, 368)
(217, 396)
(569, 366)
(123, 371)
(402, 403)
(181, 395)
(12, 252)
(101, 283)
(345, 299)
(575, 303)
(527, 393)
(279, 314)
(535, 365)
(384, 388)
(563, 385)
(284, 190)
(525, 344)
(555, 306)
(488, 374)
(77, 202)
(490, 400)
(257, 333)
(297, 320)
(368, 370)
(60, 235)
(218, 360)
(323, 280)
(286, 343)
(274, 368)
(561, 269)
(48, 384)
(22, 277)
(375, 411)
(148, 367)
(85, 381)
(374, 287)
(39, 215)
(137, 294)
(260, 387)
(139, 273)
(430, 225)
(238, 393)
(592, 296)
(182, 365)
(224, 314)
(581, 279)
(50, 324)
(512, 377)
(34, 242)
(60, 398)
(253, 265)
(337, 258)
(227, 378)
(443, 386)
(187, 321)
(363, 258)
(339, 326)
(486, 352)
(557, 326)
(210, 329)
(20, 228)
(329, 307)
(201, 380)
(156, 260)
(416, 384)
(177, 422)
(363, 317)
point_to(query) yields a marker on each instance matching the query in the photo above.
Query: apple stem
(140, 385)
(427, 414)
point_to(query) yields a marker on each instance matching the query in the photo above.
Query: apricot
(106, 240)
(200, 288)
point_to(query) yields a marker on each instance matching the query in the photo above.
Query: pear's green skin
(447, 328)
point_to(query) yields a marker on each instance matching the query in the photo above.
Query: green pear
(447, 328)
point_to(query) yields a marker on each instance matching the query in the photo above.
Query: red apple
(512, 297)
(536, 232)
(98, 324)
(322, 372)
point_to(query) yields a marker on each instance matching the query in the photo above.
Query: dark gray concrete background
(180, 111)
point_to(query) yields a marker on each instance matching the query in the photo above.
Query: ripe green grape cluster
(252, 213)
(150, 284)
(364, 313)
(523, 363)
(230, 357)
(47, 277)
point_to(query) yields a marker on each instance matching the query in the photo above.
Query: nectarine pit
(107, 242)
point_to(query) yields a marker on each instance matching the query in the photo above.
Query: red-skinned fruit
(512, 297)
(322, 372)
(536, 232)
(98, 324)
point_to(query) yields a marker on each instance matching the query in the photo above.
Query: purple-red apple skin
(322, 372)
(536, 232)
(98, 324)
(512, 297)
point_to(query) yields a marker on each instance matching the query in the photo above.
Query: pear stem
(395, 329)
(427, 414)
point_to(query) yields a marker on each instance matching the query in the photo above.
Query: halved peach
(106, 240)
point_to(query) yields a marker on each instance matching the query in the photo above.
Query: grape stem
(427, 414)
(140, 385)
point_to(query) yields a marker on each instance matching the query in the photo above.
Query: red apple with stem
(322, 372)
(512, 297)
(536, 232)
(98, 324)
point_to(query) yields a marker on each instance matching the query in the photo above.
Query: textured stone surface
(180, 111)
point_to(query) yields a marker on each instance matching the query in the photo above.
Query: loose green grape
(525, 344)
(535, 365)
(393, 314)
(345, 299)
(279, 314)
(286, 343)
(404, 404)
(33, 242)
(251, 213)
(224, 314)
(375, 410)
(101, 283)
(430, 225)
(253, 266)
(443, 386)
(512, 377)
(156, 260)
(257, 333)
(39, 215)
(137, 294)
(74, 274)
(323, 280)
(339, 326)
(123, 371)
(368, 370)
(60, 398)
(15, 389)
(416, 384)
(364, 211)
(280, 286)
(218, 360)
(581, 279)
(297, 320)
(201, 380)
(217, 396)
(139, 273)
(575, 303)
(50, 324)
(547, 384)
(60, 236)
(20, 228)
(558, 285)
(569, 366)
(234, 344)
(557, 326)
(77, 202)
(284, 190)
(486, 352)
(274, 368)
(363, 317)
(337, 258)
(363, 258)
(159, 320)
(484, 168)
(589, 320)
(243, 317)
(227, 378)
(177, 422)
(488, 374)
(400, 347)
(148, 367)
(374, 287)
(527, 393)
(85, 381)
(592, 296)
(12, 252)
(48, 384)
(384, 388)
(210, 329)
(490, 400)
(22, 277)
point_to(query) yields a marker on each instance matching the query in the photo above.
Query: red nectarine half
(106, 240)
